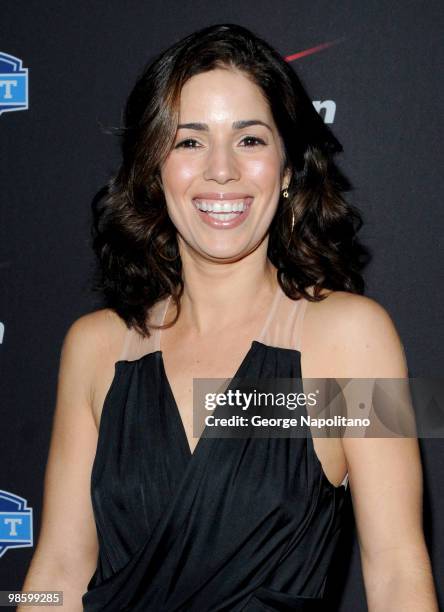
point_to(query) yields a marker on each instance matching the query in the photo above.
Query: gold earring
(285, 193)
(292, 226)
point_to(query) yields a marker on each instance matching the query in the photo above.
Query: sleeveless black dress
(239, 525)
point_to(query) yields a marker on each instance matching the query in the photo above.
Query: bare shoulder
(96, 331)
(91, 346)
(347, 335)
(340, 308)
(353, 336)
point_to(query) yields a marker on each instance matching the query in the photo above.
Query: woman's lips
(223, 219)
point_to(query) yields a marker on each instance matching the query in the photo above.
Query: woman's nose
(221, 164)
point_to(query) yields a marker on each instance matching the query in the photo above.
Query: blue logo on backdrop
(13, 84)
(15, 522)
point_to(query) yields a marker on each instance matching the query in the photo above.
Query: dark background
(83, 58)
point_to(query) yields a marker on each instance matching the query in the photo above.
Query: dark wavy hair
(138, 260)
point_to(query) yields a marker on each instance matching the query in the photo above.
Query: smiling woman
(225, 246)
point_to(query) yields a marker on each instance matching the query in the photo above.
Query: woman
(225, 248)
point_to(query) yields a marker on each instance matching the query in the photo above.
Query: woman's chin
(223, 255)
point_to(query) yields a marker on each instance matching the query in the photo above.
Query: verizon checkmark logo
(316, 49)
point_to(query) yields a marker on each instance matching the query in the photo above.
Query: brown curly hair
(138, 261)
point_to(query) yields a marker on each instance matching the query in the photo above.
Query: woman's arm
(385, 474)
(66, 553)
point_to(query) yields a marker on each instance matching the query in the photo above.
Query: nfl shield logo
(15, 522)
(13, 84)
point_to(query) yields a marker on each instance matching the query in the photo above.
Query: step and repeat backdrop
(373, 72)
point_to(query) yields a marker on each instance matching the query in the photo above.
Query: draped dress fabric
(238, 525)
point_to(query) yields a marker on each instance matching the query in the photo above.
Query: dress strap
(284, 329)
(125, 346)
(134, 345)
(299, 314)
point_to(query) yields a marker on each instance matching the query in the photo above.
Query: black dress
(247, 524)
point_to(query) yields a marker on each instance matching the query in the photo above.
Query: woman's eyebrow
(237, 125)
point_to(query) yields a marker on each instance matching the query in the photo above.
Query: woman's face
(222, 181)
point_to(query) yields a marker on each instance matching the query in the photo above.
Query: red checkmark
(321, 47)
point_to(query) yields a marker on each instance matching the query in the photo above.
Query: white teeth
(222, 216)
(221, 207)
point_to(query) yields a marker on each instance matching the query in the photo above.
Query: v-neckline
(253, 345)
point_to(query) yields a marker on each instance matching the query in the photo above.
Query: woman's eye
(250, 138)
(184, 142)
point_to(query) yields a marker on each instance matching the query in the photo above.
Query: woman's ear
(286, 179)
